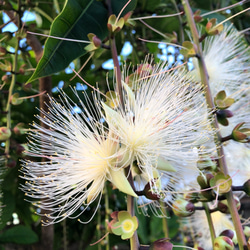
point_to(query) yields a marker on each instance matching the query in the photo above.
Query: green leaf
(77, 19)
(8, 207)
(74, 23)
(19, 235)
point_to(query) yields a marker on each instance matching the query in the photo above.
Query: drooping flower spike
(81, 155)
(159, 127)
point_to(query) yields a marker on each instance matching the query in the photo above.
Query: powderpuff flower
(81, 155)
(226, 56)
(238, 161)
(159, 127)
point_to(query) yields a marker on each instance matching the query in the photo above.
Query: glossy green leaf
(19, 234)
(7, 209)
(77, 19)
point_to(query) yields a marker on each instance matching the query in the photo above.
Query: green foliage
(19, 235)
(76, 21)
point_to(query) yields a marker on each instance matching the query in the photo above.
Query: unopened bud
(183, 208)
(223, 205)
(20, 149)
(3, 51)
(5, 133)
(223, 243)
(149, 193)
(11, 163)
(246, 187)
(240, 133)
(161, 244)
(19, 128)
(6, 78)
(27, 86)
(247, 231)
(228, 232)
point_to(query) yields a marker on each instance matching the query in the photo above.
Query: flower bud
(206, 164)
(149, 193)
(222, 116)
(240, 133)
(229, 233)
(247, 231)
(203, 180)
(113, 25)
(208, 194)
(246, 187)
(27, 87)
(20, 149)
(11, 163)
(192, 196)
(161, 244)
(19, 128)
(212, 28)
(3, 51)
(223, 205)
(6, 78)
(223, 243)
(183, 208)
(5, 133)
(197, 16)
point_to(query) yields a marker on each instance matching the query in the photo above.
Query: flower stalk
(210, 222)
(221, 156)
(13, 79)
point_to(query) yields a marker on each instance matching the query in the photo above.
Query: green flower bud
(221, 100)
(212, 28)
(183, 208)
(241, 134)
(113, 25)
(5, 133)
(19, 129)
(247, 231)
(223, 243)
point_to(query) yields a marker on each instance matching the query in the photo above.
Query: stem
(117, 71)
(164, 221)
(181, 32)
(13, 81)
(210, 222)
(106, 212)
(134, 242)
(214, 123)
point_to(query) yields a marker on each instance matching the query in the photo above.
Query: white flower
(159, 126)
(81, 155)
(227, 60)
